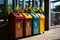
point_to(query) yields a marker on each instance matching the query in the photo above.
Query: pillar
(14, 3)
(46, 9)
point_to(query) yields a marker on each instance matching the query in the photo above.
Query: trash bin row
(25, 24)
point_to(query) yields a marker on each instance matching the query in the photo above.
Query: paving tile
(53, 34)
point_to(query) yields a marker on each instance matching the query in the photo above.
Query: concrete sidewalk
(53, 34)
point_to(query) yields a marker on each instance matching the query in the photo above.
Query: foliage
(57, 8)
(1, 10)
(9, 9)
(6, 10)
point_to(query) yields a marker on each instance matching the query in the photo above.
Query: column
(14, 3)
(46, 9)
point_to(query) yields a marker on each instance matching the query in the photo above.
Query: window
(27, 2)
(37, 3)
(10, 3)
(20, 3)
(21, 0)
(54, 5)
(1, 2)
(55, 12)
(30, 2)
(23, 3)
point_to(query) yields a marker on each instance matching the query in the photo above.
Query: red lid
(18, 16)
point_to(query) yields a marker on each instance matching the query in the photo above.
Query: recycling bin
(15, 25)
(27, 24)
(35, 24)
(41, 22)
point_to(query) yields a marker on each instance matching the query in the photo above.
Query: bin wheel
(43, 32)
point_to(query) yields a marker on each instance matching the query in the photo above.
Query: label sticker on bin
(28, 24)
(18, 25)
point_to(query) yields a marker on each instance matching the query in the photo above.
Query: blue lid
(35, 16)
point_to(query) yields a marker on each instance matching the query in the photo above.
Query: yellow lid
(27, 15)
(41, 15)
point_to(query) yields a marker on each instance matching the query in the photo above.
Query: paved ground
(53, 34)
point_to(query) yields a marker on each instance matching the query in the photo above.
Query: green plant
(9, 9)
(1, 11)
(6, 11)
